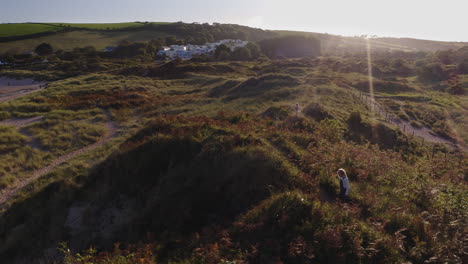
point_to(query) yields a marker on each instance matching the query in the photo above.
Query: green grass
(60, 137)
(61, 132)
(9, 30)
(10, 139)
(75, 39)
(24, 29)
(100, 26)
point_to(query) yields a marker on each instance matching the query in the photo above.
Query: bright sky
(425, 19)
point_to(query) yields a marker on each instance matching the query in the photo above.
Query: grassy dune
(217, 150)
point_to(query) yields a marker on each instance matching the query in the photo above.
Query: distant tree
(254, 49)
(190, 40)
(400, 66)
(209, 38)
(462, 67)
(433, 72)
(171, 40)
(242, 54)
(445, 56)
(9, 59)
(89, 51)
(127, 50)
(240, 35)
(290, 47)
(157, 43)
(201, 41)
(44, 49)
(223, 55)
(222, 49)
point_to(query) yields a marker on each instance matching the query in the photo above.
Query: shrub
(44, 49)
(316, 111)
(433, 73)
(277, 113)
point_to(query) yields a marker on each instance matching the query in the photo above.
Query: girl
(344, 184)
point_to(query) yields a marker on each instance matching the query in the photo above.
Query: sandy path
(10, 97)
(20, 122)
(406, 126)
(7, 194)
(5, 81)
(11, 89)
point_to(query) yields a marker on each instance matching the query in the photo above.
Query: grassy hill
(25, 29)
(22, 29)
(26, 36)
(212, 165)
(335, 44)
(100, 26)
(81, 38)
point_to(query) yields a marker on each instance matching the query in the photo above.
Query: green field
(8, 30)
(100, 26)
(24, 29)
(82, 38)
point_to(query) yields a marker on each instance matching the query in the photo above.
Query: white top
(346, 184)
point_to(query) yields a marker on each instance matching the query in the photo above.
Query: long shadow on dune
(170, 186)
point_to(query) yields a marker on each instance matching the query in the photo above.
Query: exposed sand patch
(13, 88)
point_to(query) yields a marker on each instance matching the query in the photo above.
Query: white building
(189, 50)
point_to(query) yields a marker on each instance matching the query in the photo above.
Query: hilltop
(120, 158)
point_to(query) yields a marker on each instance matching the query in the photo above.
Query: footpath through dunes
(12, 88)
(9, 193)
(20, 88)
(406, 126)
(20, 122)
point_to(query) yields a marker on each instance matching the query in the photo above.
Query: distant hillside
(335, 44)
(70, 36)
(17, 31)
(24, 37)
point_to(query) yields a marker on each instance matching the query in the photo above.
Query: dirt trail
(7, 194)
(20, 122)
(9, 97)
(406, 126)
(11, 88)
